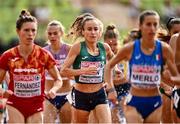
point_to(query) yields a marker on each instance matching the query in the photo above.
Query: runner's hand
(51, 94)
(5, 93)
(112, 96)
(166, 76)
(90, 70)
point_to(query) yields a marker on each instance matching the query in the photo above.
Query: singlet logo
(85, 57)
(102, 57)
(31, 70)
(138, 56)
(62, 56)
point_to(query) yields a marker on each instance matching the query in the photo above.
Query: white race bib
(27, 85)
(97, 78)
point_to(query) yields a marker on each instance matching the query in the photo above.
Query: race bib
(97, 78)
(148, 75)
(27, 85)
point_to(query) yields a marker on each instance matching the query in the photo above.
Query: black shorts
(176, 101)
(122, 90)
(58, 101)
(88, 101)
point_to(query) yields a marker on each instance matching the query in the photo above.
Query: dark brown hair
(78, 26)
(172, 21)
(142, 17)
(165, 36)
(24, 16)
(111, 32)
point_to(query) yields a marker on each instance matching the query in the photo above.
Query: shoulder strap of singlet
(47, 47)
(136, 48)
(159, 51)
(101, 46)
(83, 47)
(64, 47)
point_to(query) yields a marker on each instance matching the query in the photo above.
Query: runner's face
(91, 31)
(175, 29)
(54, 34)
(113, 43)
(27, 33)
(149, 27)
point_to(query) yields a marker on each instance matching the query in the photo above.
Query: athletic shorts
(27, 106)
(88, 101)
(58, 101)
(122, 90)
(144, 105)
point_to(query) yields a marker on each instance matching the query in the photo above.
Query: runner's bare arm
(123, 54)
(2, 75)
(68, 71)
(57, 82)
(170, 61)
(109, 52)
(4, 93)
(172, 42)
(177, 52)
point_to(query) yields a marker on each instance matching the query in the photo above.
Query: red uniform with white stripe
(27, 78)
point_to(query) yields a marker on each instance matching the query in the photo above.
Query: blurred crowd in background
(123, 13)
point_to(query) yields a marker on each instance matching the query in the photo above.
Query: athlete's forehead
(53, 28)
(91, 24)
(29, 25)
(151, 19)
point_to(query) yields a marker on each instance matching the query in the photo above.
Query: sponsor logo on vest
(31, 70)
(85, 57)
(138, 56)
